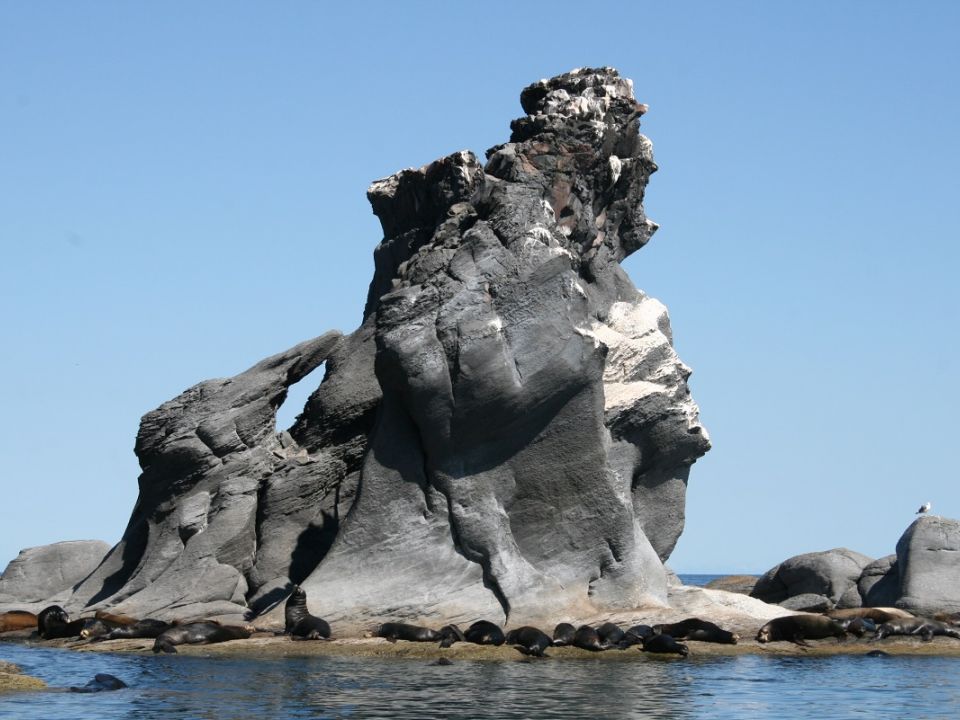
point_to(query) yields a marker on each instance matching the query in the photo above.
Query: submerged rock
(508, 435)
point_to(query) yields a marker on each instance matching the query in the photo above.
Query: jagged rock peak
(583, 92)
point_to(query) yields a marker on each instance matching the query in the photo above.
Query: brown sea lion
(800, 628)
(116, 620)
(877, 614)
(17, 620)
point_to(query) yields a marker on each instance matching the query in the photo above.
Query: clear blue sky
(182, 194)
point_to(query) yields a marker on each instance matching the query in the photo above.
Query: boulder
(928, 558)
(39, 573)
(808, 602)
(879, 583)
(830, 574)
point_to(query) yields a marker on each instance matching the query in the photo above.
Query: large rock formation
(508, 434)
(928, 564)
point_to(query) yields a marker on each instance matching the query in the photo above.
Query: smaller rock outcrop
(828, 575)
(879, 583)
(928, 561)
(39, 573)
(742, 584)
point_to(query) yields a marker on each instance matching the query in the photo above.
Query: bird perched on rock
(924, 508)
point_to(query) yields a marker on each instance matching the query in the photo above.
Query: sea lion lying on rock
(637, 634)
(300, 624)
(449, 634)
(877, 614)
(529, 640)
(563, 634)
(199, 633)
(484, 632)
(588, 638)
(611, 635)
(146, 628)
(924, 627)
(401, 631)
(17, 620)
(662, 643)
(799, 628)
(697, 629)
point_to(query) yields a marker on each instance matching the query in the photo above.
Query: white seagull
(924, 508)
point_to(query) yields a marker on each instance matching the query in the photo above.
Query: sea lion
(199, 633)
(950, 618)
(401, 631)
(300, 624)
(637, 634)
(877, 614)
(663, 643)
(697, 629)
(859, 626)
(611, 635)
(924, 627)
(483, 632)
(17, 620)
(799, 628)
(563, 634)
(146, 628)
(53, 622)
(449, 634)
(588, 639)
(95, 627)
(529, 640)
(102, 682)
(115, 619)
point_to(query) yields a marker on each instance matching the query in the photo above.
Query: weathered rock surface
(928, 560)
(879, 583)
(12, 679)
(508, 434)
(43, 572)
(829, 574)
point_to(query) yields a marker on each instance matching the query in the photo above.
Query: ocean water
(755, 686)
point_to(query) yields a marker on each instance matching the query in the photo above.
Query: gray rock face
(508, 434)
(879, 583)
(808, 602)
(830, 574)
(928, 558)
(533, 441)
(42, 572)
(199, 541)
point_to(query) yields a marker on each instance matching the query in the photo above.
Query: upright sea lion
(529, 640)
(449, 634)
(484, 632)
(146, 628)
(102, 682)
(924, 627)
(199, 633)
(563, 634)
(877, 614)
(588, 639)
(799, 628)
(17, 620)
(611, 635)
(697, 629)
(662, 643)
(401, 631)
(53, 622)
(300, 624)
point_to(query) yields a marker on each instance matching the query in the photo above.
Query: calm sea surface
(756, 686)
(323, 687)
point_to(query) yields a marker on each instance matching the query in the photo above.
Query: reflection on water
(320, 687)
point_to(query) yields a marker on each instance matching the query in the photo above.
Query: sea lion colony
(875, 623)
